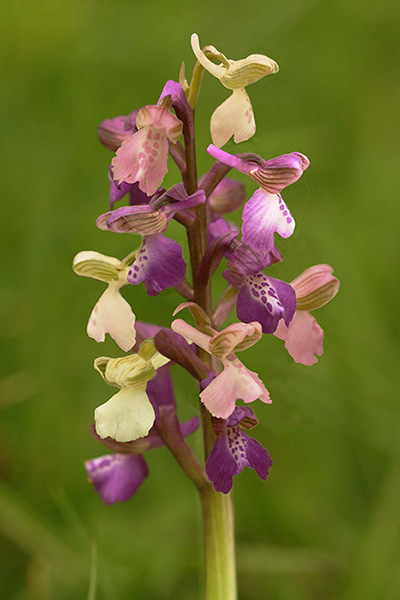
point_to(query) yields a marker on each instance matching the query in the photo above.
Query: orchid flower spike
(266, 212)
(236, 381)
(304, 337)
(129, 414)
(112, 313)
(142, 156)
(234, 117)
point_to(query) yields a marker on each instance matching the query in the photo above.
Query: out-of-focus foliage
(327, 522)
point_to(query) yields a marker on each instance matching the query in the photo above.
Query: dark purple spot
(289, 220)
(135, 268)
(281, 207)
(255, 293)
(285, 212)
(269, 306)
(263, 299)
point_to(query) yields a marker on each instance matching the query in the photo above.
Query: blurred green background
(326, 525)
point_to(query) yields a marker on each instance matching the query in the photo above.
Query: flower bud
(229, 195)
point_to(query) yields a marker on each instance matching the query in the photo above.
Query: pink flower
(304, 337)
(142, 156)
(236, 381)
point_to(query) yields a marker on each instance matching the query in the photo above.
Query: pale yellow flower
(235, 116)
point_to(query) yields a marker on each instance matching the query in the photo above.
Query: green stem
(219, 545)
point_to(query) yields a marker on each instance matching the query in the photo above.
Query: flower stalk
(217, 508)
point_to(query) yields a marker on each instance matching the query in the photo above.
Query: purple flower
(233, 450)
(116, 477)
(266, 212)
(261, 298)
(147, 216)
(159, 264)
(266, 300)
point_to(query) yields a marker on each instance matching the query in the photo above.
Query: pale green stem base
(219, 545)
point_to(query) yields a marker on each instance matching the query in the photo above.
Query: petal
(117, 192)
(143, 158)
(235, 337)
(174, 90)
(221, 227)
(216, 70)
(159, 264)
(96, 266)
(160, 389)
(234, 383)
(257, 456)
(264, 214)
(116, 477)
(113, 315)
(145, 331)
(315, 287)
(127, 416)
(228, 196)
(234, 117)
(277, 173)
(112, 132)
(157, 119)
(243, 261)
(273, 175)
(243, 414)
(142, 219)
(131, 371)
(221, 467)
(266, 300)
(303, 338)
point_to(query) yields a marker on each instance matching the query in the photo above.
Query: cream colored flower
(112, 313)
(235, 116)
(128, 415)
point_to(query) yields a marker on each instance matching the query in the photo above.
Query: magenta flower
(261, 298)
(303, 336)
(142, 157)
(159, 264)
(234, 449)
(151, 216)
(266, 212)
(116, 477)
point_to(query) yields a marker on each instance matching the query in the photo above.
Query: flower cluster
(142, 414)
